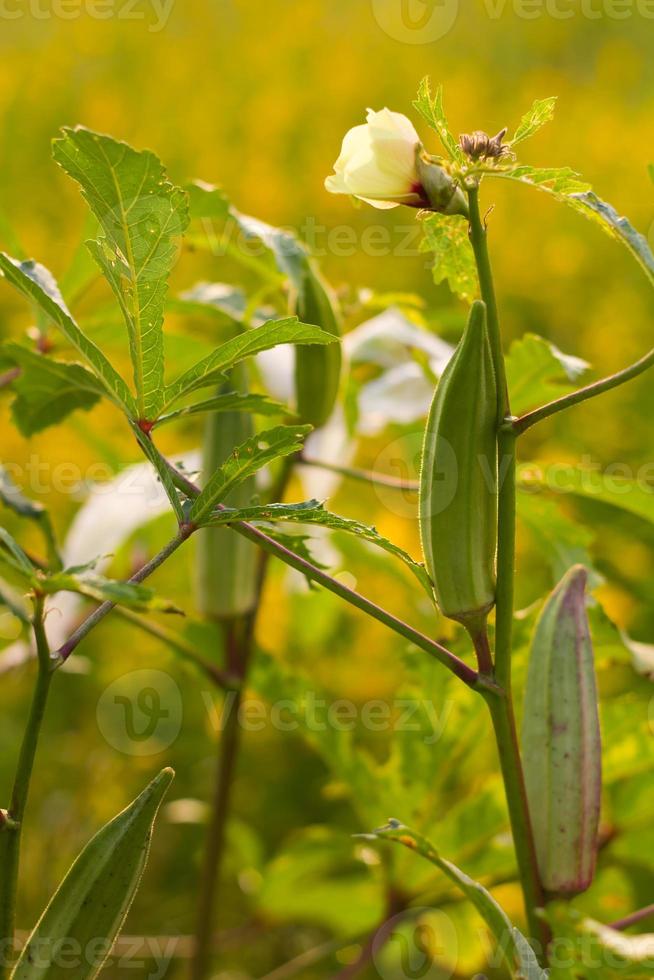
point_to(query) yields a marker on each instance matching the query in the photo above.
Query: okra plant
(551, 769)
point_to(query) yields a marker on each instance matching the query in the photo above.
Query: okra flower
(382, 163)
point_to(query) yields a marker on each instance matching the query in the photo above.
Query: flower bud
(561, 740)
(382, 163)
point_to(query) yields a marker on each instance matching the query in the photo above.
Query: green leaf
(562, 182)
(313, 512)
(142, 215)
(211, 368)
(222, 301)
(36, 283)
(13, 554)
(232, 401)
(538, 372)
(12, 497)
(454, 262)
(431, 108)
(515, 949)
(91, 903)
(13, 602)
(561, 541)
(48, 390)
(163, 472)
(94, 586)
(616, 490)
(246, 459)
(541, 112)
(617, 227)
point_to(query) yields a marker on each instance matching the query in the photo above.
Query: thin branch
(634, 918)
(583, 394)
(365, 476)
(64, 652)
(440, 653)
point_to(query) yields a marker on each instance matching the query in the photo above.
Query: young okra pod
(561, 740)
(226, 561)
(317, 367)
(458, 480)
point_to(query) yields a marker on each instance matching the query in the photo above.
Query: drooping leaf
(246, 459)
(538, 372)
(95, 586)
(48, 390)
(33, 510)
(619, 228)
(431, 108)
(454, 262)
(313, 512)
(518, 954)
(541, 112)
(229, 402)
(142, 214)
(90, 905)
(36, 283)
(210, 369)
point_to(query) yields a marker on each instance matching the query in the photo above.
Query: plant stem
(583, 394)
(365, 476)
(501, 708)
(238, 642)
(479, 242)
(10, 836)
(64, 652)
(436, 650)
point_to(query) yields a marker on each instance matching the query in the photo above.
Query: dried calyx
(480, 146)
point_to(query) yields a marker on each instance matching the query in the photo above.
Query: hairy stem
(10, 836)
(501, 708)
(583, 394)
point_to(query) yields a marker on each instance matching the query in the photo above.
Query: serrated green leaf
(90, 905)
(142, 215)
(431, 108)
(538, 372)
(562, 182)
(48, 390)
(94, 586)
(229, 402)
(454, 262)
(619, 228)
(541, 112)
(515, 949)
(313, 512)
(211, 369)
(246, 459)
(36, 283)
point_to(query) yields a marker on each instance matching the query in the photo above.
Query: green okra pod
(317, 371)
(561, 740)
(458, 480)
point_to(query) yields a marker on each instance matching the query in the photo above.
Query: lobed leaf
(36, 283)
(538, 372)
(232, 401)
(431, 108)
(142, 215)
(541, 112)
(454, 262)
(94, 586)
